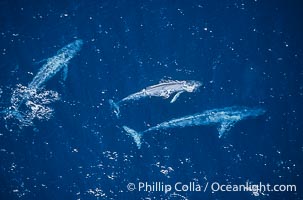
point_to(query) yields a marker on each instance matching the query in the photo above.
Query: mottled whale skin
(54, 64)
(164, 89)
(224, 118)
(51, 67)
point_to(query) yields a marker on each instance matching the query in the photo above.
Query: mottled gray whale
(164, 89)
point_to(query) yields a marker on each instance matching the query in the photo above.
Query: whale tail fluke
(135, 135)
(115, 107)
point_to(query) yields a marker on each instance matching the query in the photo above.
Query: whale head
(191, 86)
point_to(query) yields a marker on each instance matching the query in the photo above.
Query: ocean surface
(60, 137)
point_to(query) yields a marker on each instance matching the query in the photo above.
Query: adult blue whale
(33, 93)
(224, 118)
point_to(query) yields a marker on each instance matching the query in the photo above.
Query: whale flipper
(64, 73)
(176, 97)
(225, 127)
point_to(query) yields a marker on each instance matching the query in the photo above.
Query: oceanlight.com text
(248, 187)
(209, 186)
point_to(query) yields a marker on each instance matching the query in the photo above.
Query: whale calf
(164, 89)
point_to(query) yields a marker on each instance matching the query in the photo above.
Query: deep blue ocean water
(246, 53)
